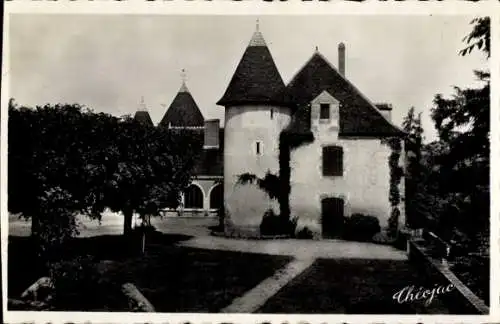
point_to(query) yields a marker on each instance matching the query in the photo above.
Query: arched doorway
(216, 197)
(193, 197)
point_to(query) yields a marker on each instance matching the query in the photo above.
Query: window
(193, 197)
(259, 148)
(272, 113)
(333, 157)
(324, 112)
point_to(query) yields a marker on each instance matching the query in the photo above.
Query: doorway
(332, 217)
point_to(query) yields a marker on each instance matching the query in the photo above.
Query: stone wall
(244, 127)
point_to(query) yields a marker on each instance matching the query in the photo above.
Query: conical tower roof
(256, 79)
(142, 114)
(183, 111)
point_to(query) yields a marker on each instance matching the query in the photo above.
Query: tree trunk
(35, 226)
(143, 247)
(127, 223)
(137, 301)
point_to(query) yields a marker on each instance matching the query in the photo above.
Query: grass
(174, 279)
(352, 287)
(474, 272)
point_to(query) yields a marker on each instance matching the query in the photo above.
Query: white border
(259, 7)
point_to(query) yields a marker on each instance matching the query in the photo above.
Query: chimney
(211, 134)
(342, 58)
(385, 109)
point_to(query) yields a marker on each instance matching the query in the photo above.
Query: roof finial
(183, 75)
(183, 78)
(257, 39)
(142, 105)
(316, 49)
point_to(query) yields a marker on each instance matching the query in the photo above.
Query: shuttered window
(324, 111)
(333, 161)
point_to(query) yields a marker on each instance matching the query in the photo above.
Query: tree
(479, 37)
(52, 155)
(151, 167)
(66, 160)
(462, 122)
(412, 124)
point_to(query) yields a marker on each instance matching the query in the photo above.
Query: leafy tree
(152, 166)
(461, 168)
(479, 37)
(65, 160)
(51, 152)
(412, 124)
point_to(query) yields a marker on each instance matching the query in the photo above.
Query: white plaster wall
(244, 125)
(364, 185)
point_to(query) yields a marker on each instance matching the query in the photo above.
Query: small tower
(183, 112)
(255, 114)
(142, 114)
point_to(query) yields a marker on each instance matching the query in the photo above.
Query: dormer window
(324, 111)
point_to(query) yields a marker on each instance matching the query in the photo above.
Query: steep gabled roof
(256, 79)
(183, 111)
(358, 116)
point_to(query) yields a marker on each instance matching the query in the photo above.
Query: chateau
(343, 170)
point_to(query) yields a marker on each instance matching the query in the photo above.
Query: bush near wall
(361, 227)
(273, 224)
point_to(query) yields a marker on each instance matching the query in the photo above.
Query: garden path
(300, 249)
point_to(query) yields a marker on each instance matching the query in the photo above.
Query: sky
(108, 62)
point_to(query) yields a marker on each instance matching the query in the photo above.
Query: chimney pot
(385, 109)
(342, 59)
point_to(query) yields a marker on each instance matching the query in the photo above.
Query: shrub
(361, 227)
(305, 233)
(273, 224)
(75, 283)
(80, 284)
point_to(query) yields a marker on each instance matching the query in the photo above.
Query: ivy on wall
(297, 134)
(278, 186)
(396, 174)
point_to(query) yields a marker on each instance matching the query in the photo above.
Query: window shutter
(324, 112)
(333, 164)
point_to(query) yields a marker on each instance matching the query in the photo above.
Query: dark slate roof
(183, 111)
(256, 79)
(143, 117)
(358, 116)
(211, 161)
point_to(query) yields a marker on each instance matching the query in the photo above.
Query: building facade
(204, 196)
(342, 171)
(345, 168)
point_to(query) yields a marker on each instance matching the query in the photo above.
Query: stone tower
(255, 114)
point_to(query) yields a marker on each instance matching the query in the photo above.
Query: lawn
(352, 287)
(474, 272)
(174, 279)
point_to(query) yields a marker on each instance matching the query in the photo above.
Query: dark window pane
(333, 157)
(324, 111)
